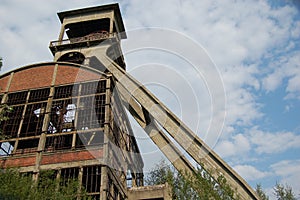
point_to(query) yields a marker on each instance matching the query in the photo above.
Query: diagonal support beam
(179, 161)
(185, 137)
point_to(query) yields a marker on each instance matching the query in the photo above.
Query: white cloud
(267, 142)
(273, 81)
(262, 142)
(238, 146)
(288, 68)
(250, 173)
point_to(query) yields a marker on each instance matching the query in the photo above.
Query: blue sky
(254, 44)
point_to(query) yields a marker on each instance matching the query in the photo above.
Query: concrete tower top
(88, 27)
(111, 11)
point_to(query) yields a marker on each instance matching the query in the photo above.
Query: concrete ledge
(155, 192)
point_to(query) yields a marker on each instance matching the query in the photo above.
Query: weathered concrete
(162, 192)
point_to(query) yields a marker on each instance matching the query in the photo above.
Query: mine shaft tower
(70, 116)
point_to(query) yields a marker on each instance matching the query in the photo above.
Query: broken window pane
(59, 142)
(6, 148)
(27, 146)
(62, 116)
(89, 138)
(10, 126)
(33, 119)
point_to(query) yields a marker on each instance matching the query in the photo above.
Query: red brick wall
(67, 74)
(3, 83)
(17, 162)
(61, 157)
(41, 76)
(64, 157)
(35, 77)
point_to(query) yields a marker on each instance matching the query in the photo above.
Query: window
(33, 119)
(91, 178)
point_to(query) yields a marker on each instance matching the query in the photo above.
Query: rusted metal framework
(66, 120)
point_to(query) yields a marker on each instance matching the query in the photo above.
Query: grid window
(100, 108)
(91, 178)
(91, 113)
(101, 86)
(93, 87)
(59, 142)
(39, 95)
(66, 91)
(17, 98)
(68, 174)
(27, 146)
(33, 119)
(11, 125)
(89, 88)
(89, 138)
(62, 116)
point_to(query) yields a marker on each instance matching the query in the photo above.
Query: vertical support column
(62, 32)
(104, 183)
(46, 121)
(76, 117)
(104, 169)
(80, 175)
(111, 23)
(107, 119)
(133, 179)
(58, 175)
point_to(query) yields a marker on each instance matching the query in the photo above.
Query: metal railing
(96, 36)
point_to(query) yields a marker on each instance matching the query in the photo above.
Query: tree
(22, 186)
(4, 110)
(262, 195)
(0, 62)
(185, 186)
(202, 186)
(284, 192)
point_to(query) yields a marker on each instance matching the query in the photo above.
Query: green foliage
(284, 192)
(202, 186)
(4, 110)
(185, 186)
(262, 195)
(161, 174)
(1, 62)
(18, 187)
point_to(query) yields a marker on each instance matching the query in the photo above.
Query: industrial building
(69, 116)
(66, 116)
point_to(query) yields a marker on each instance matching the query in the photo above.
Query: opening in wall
(6, 148)
(89, 138)
(27, 146)
(91, 178)
(58, 142)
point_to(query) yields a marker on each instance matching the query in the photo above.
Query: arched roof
(46, 74)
